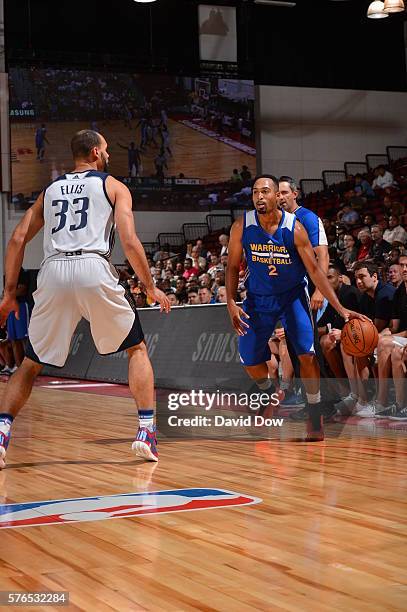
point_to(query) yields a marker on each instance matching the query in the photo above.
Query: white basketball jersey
(78, 215)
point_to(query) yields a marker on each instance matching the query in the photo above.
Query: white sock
(314, 398)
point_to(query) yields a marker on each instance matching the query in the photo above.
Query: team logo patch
(124, 505)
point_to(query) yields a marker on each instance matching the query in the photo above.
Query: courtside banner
(191, 346)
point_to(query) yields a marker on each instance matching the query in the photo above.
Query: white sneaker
(369, 411)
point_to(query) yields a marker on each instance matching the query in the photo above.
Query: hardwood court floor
(330, 533)
(194, 154)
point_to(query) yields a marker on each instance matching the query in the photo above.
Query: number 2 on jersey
(64, 209)
(273, 271)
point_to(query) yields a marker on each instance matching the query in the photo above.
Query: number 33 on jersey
(78, 215)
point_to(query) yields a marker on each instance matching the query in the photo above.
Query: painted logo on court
(62, 511)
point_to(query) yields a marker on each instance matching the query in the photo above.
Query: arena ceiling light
(393, 6)
(376, 10)
(145, 1)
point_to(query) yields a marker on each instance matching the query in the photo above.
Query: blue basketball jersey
(274, 266)
(313, 225)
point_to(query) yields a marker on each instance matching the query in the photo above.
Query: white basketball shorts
(74, 286)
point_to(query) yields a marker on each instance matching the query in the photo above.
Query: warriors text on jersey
(273, 263)
(78, 215)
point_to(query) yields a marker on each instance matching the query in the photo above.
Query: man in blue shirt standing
(317, 237)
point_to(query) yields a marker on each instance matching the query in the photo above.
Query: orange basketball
(359, 338)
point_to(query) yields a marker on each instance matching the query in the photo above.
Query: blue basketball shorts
(293, 310)
(17, 329)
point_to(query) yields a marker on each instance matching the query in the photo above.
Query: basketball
(359, 338)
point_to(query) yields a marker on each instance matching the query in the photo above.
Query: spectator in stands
(140, 299)
(157, 276)
(365, 244)
(393, 256)
(224, 242)
(205, 296)
(330, 326)
(383, 179)
(193, 296)
(219, 278)
(189, 269)
(221, 296)
(198, 261)
(394, 275)
(379, 247)
(395, 232)
(392, 341)
(179, 269)
(362, 187)
(202, 251)
(377, 303)
(172, 297)
(215, 266)
(351, 251)
(347, 215)
(205, 280)
(235, 178)
(245, 175)
(224, 261)
(369, 220)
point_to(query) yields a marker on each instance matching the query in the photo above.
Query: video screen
(163, 131)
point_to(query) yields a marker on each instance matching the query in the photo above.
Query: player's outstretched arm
(235, 250)
(133, 249)
(318, 277)
(25, 231)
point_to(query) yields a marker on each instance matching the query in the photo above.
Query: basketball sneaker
(369, 411)
(387, 412)
(5, 434)
(401, 415)
(346, 405)
(145, 444)
(315, 424)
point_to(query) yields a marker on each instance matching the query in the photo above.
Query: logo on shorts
(62, 511)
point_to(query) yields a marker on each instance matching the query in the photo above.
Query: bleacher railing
(193, 231)
(311, 186)
(352, 168)
(218, 222)
(333, 177)
(376, 159)
(394, 153)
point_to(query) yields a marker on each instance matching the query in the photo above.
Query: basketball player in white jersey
(79, 211)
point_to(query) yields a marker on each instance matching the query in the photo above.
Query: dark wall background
(319, 43)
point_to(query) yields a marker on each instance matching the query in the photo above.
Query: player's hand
(8, 304)
(236, 313)
(279, 333)
(351, 314)
(335, 335)
(159, 296)
(385, 332)
(317, 300)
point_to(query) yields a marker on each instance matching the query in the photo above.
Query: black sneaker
(299, 415)
(401, 414)
(388, 413)
(329, 412)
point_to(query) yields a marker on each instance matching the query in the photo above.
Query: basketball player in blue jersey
(278, 254)
(78, 212)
